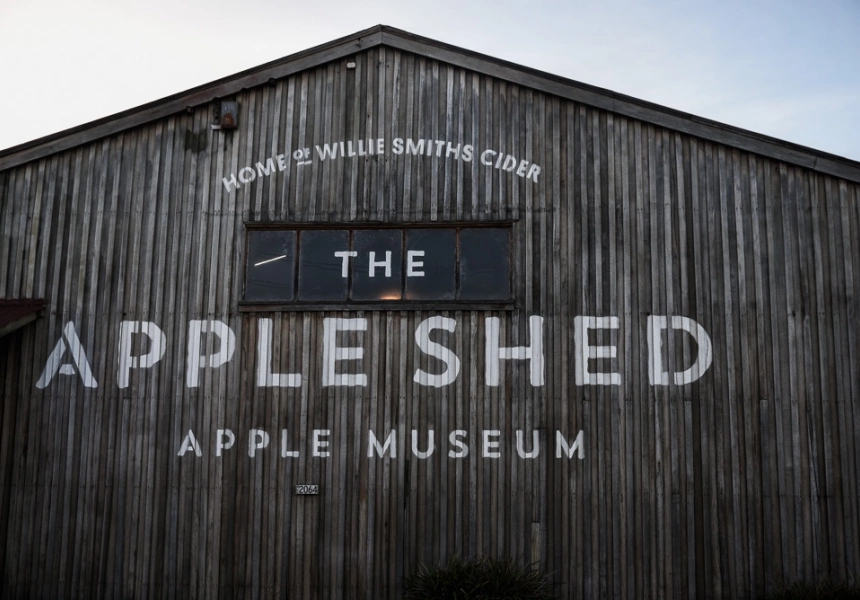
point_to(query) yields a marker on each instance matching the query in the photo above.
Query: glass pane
(431, 255)
(270, 275)
(377, 270)
(320, 270)
(485, 260)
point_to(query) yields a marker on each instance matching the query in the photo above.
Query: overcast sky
(786, 68)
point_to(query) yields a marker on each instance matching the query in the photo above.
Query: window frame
(375, 304)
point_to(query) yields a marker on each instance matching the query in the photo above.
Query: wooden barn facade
(294, 332)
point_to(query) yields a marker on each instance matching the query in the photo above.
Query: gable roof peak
(386, 35)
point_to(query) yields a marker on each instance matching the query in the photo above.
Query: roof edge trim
(202, 94)
(382, 35)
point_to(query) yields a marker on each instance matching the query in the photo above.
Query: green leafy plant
(481, 578)
(826, 589)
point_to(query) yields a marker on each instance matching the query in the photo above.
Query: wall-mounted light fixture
(226, 115)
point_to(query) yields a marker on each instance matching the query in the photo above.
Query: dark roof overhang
(382, 35)
(17, 312)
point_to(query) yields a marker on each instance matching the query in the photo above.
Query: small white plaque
(307, 490)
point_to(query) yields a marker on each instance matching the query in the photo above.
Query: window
(407, 266)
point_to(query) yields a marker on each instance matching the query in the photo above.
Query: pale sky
(786, 68)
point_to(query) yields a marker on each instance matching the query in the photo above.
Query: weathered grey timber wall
(745, 477)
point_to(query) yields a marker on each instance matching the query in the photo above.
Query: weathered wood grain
(744, 478)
